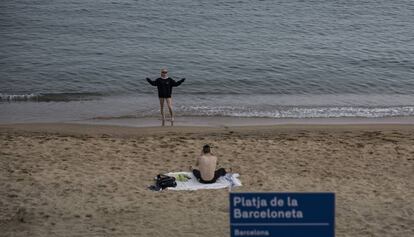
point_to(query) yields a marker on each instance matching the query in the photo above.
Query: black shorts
(217, 174)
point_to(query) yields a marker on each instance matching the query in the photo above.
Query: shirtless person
(207, 164)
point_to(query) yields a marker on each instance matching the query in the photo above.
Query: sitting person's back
(207, 163)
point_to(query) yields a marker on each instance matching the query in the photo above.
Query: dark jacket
(165, 86)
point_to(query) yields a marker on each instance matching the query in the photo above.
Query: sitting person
(207, 163)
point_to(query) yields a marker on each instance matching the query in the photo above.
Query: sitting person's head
(206, 149)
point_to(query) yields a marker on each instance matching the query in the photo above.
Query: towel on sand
(229, 180)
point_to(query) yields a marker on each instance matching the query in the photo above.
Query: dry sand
(85, 180)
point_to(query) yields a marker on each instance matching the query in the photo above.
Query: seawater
(73, 59)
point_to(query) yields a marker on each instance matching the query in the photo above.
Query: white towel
(230, 180)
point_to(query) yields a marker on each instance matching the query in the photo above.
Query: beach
(65, 179)
(298, 96)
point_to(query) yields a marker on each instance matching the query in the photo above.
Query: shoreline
(115, 109)
(110, 130)
(224, 122)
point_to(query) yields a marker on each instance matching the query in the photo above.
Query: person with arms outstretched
(165, 85)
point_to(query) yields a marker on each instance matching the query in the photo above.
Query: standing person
(165, 85)
(207, 164)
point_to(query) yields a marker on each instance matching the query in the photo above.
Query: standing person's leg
(162, 111)
(169, 104)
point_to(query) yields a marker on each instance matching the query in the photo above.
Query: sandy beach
(91, 180)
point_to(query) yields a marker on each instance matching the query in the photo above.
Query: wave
(283, 112)
(49, 97)
(300, 112)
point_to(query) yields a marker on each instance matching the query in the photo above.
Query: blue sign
(282, 214)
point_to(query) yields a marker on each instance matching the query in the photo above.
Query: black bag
(164, 181)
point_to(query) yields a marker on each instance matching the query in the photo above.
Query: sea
(81, 60)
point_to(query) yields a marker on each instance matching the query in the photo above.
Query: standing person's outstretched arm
(177, 83)
(153, 83)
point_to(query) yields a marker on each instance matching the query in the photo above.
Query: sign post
(282, 214)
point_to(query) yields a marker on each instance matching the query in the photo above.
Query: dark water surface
(242, 58)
